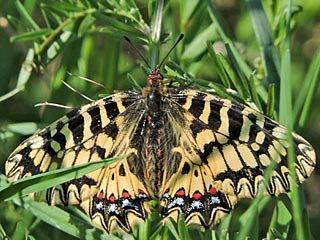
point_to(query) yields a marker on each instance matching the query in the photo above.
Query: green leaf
(197, 46)
(182, 228)
(216, 18)
(271, 101)
(24, 75)
(125, 28)
(56, 46)
(63, 220)
(240, 81)
(21, 230)
(280, 222)
(25, 128)
(31, 36)
(26, 16)
(86, 24)
(219, 62)
(253, 91)
(307, 92)
(249, 222)
(172, 229)
(64, 8)
(268, 51)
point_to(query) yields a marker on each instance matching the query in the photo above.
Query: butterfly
(194, 153)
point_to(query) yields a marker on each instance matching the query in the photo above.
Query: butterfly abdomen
(154, 151)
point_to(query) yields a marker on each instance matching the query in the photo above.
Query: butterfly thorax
(153, 93)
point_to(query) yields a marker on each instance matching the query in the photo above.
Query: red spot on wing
(212, 190)
(112, 198)
(141, 191)
(100, 196)
(125, 194)
(180, 193)
(196, 195)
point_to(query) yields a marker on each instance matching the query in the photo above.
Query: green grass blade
(219, 61)
(24, 75)
(264, 36)
(56, 46)
(3, 234)
(249, 222)
(172, 229)
(111, 59)
(215, 17)
(46, 180)
(154, 42)
(240, 81)
(253, 91)
(31, 36)
(286, 117)
(308, 91)
(280, 222)
(22, 228)
(62, 8)
(196, 47)
(24, 128)
(62, 220)
(182, 228)
(271, 101)
(26, 16)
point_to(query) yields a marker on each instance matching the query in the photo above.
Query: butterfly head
(155, 78)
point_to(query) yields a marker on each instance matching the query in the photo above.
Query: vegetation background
(266, 51)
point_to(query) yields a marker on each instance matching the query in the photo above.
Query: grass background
(265, 55)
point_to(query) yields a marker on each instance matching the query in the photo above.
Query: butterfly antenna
(76, 91)
(171, 49)
(52, 105)
(86, 79)
(137, 50)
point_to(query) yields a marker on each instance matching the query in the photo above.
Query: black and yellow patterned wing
(123, 198)
(224, 151)
(86, 134)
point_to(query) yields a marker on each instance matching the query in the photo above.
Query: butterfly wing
(84, 135)
(226, 150)
(122, 199)
(115, 195)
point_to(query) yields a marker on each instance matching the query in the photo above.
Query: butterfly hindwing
(191, 191)
(122, 199)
